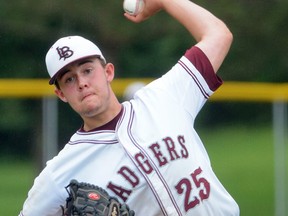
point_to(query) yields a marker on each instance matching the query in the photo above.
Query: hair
(102, 62)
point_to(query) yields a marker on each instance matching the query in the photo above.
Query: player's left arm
(211, 34)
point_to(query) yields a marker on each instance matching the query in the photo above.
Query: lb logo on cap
(64, 52)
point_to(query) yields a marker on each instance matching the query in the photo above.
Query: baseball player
(145, 151)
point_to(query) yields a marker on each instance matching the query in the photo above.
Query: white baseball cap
(67, 50)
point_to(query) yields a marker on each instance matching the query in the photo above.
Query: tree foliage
(29, 27)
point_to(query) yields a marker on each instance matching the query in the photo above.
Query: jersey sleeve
(190, 82)
(43, 198)
(198, 58)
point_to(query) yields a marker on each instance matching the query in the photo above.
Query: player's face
(85, 85)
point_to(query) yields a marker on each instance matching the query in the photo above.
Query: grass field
(242, 157)
(16, 179)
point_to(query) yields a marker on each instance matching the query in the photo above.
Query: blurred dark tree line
(29, 27)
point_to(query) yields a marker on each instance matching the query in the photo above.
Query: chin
(91, 112)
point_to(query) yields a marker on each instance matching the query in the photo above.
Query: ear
(109, 72)
(60, 95)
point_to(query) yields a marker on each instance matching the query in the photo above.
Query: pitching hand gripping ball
(133, 7)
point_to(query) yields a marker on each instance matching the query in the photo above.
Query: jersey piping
(128, 116)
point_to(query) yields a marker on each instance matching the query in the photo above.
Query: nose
(82, 82)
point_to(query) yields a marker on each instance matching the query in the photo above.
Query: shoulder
(198, 58)
(201, 62)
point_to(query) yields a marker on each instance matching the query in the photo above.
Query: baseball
(133, 7)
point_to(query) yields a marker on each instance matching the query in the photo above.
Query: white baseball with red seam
(133, 7)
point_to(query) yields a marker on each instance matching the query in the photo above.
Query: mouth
(87, 96)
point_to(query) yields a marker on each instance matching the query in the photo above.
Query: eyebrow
(85, 61)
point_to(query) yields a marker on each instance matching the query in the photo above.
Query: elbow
(222, 37)
(227, 36)
(220, 34)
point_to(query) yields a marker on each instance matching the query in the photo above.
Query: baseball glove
(89, 200)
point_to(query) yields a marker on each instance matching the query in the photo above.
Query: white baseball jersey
(152, 159)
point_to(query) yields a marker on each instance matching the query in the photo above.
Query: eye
(69, 79)
(88, 70)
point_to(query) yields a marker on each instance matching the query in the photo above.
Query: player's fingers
(136, 19)
(144, 15)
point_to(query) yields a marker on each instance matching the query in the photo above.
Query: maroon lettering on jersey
(184, 151)
(143, 163)
(155, 147)
(171, 148)
(119, 191)
(129, 175)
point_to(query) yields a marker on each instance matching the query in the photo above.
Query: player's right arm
(211, 34)
(44, 198)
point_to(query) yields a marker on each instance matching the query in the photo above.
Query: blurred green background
(238, 135)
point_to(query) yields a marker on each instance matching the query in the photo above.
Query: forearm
(211, 34)
(197, 20)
